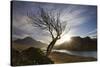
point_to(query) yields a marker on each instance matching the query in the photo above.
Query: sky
(82, 20)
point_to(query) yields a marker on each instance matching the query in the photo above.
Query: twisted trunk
(50, 46)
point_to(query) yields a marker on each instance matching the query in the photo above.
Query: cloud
(75, 15)
(22, 28)
(93, 32)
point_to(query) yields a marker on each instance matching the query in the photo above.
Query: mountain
(79, 44)
(27, 42)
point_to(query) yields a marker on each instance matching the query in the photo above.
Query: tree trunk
(50, 46)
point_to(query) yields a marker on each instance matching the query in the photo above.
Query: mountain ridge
(79, 44)
(26, 43)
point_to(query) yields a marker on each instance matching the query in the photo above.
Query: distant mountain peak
(26, 40)
(29, 41)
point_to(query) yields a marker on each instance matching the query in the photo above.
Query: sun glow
(65, 38)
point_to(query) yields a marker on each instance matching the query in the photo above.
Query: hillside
(21, 44)
(30, 56)
(79, 44)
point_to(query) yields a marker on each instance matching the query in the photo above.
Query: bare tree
(50, 21)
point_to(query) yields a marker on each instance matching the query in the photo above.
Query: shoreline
(59, 57)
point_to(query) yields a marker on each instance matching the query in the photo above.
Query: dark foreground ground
(34, 56)
(59, 57)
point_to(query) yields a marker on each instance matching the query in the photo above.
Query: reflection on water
(80, 53)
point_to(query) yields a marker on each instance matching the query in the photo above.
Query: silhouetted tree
(49, 20)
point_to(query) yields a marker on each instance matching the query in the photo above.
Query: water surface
(80, 53)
